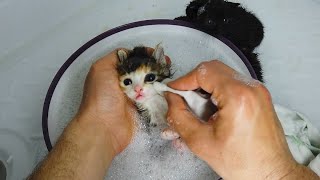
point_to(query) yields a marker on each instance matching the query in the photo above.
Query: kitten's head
(138, 71)
(216, 14)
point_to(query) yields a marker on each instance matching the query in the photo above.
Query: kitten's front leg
(157, 108)
(157, 118)
(153, 120)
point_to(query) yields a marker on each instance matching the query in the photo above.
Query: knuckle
(252, 96)
(263, 90)
(209, 63)
(94, 65)
(215, 61)
(245, 94)
(94, 68)
(204, 64)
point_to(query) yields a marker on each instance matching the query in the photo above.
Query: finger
(206, 75)
(187, 82)
(180, 118)
(213, 77)
(169, 134)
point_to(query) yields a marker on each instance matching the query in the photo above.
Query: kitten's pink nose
(138, 89)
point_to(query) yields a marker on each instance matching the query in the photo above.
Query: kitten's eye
(127, 82)
(226, 20)
(150, 78)
(211, 23)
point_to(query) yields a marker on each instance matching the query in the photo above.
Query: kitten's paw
(169, 134)
(153, 124)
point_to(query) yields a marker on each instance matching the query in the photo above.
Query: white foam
(150, 157)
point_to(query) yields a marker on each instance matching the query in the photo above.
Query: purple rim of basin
(106, 34)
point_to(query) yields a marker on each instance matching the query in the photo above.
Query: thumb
(181, 118)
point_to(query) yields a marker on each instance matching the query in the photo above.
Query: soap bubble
(150, 157)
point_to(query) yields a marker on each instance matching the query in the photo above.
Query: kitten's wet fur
(137, 71)
(230, 20)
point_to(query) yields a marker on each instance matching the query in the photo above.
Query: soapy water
(149, 157)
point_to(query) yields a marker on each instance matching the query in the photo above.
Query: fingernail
(214, 116)
(214, 101)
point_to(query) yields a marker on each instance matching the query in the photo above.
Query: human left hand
(105, 104)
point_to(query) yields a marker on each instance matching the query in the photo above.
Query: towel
(302, 137)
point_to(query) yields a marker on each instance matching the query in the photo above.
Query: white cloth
(302, 137)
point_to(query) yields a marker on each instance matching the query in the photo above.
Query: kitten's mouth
(139, 97)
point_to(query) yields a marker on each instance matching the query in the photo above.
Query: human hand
(102, 128)
(105, 104)
(104, 101)
(244, 138)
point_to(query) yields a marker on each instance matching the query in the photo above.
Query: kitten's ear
(158, 54)
(122, 55)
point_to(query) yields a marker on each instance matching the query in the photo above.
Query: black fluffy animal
(230, 20)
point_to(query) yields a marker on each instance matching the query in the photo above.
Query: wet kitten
(230, 20)
(137, 73)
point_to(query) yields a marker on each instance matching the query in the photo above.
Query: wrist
(275, 168)
(287, 171)
(95, 136)
(300, 172)
(82, 145)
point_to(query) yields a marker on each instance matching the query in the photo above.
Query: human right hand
(244, 139)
